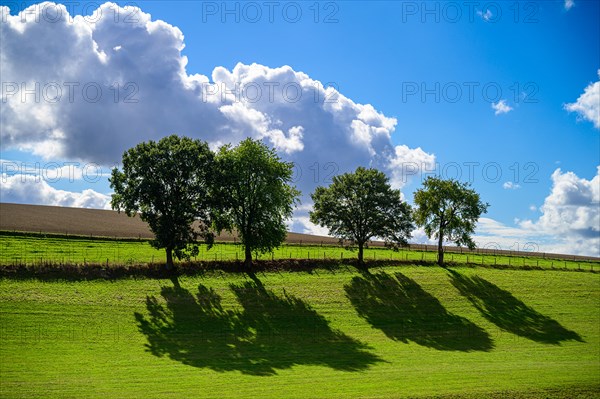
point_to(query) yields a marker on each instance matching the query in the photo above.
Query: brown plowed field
(104, 223)
(96, 222)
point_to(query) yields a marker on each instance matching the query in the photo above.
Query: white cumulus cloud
(29, 189)
(511, 186)
(486, 16)
(53, 171)
(569, 221)
(88, 88)
(501, 107)
(588, 104)
(569, 4)
(572, 208)
(407, 163)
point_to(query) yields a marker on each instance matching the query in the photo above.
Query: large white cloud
(30, 189)
(135, 63)
(122, 80)
(572, 208)
(588, 104)
(407, 163)
(569, 223)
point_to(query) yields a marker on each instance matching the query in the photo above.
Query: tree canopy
(168, 183)
(361, 205)
(448, 210)
(255, 195)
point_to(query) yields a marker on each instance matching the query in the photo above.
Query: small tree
(255, 196)
(168, 184)
(361, 205)
(448, 210)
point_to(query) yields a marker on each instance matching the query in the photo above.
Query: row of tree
(186, 192)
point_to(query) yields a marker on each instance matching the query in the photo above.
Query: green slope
(396, 332)
(37, 249)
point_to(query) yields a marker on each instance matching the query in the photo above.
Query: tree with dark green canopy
(255, 196)
(361, 205)
(448, 210)
(169, 184)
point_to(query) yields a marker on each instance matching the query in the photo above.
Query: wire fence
(32, 250)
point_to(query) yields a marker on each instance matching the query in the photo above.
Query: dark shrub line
(95, 271)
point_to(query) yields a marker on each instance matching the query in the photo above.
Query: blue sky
(436, 67)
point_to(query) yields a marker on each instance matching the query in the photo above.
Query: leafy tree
(448, 210)
(361, 205)
(168, 184)
(255, 196)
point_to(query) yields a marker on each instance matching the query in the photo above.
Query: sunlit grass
(40, 250)
(394, 332)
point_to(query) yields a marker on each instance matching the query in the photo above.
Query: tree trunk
(169, 265)
(360, 253)
(441, 249)
(248, 257)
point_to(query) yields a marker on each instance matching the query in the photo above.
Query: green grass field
(394, 332)
(39, 250)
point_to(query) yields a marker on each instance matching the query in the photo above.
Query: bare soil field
(106, 223)
(98, 223)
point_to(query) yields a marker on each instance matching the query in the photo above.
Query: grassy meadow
(39, 249)
(393, 332)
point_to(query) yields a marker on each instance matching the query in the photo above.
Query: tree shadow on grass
(287, 331)
(509, 313)
(270, 333)
(399, 307)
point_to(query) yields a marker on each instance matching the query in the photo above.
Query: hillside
(396, 332)
(95, 222)
(106, 223)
